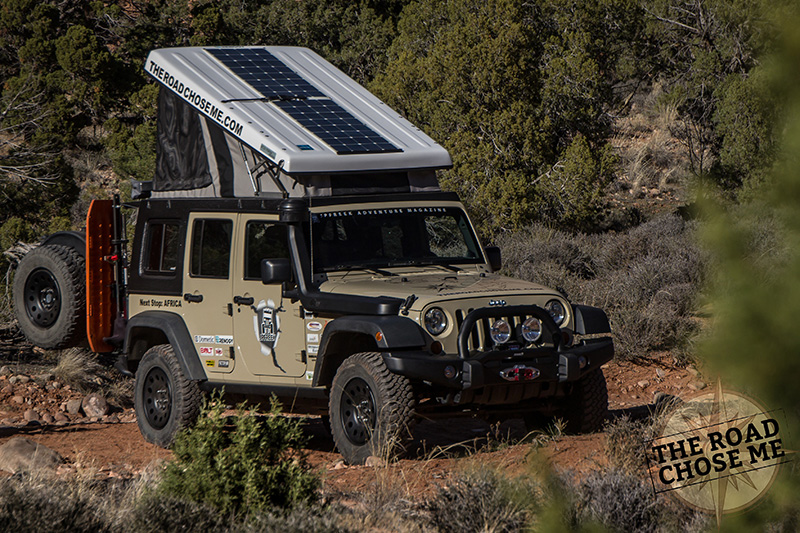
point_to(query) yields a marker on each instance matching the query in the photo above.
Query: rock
(73, 406)
(661, 373)
(44, 378)
(94, 406)
(693, 371)
(30, 415)
(47, 418)
(8, 388)
(23, 379)
(18, 399)
(61, 417)
(697, 385)
(340, 464)
(374, 462)
(113, 418)
(21, 454)
(643, 384)
(5, 371)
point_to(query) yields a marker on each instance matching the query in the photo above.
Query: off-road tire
(370, 409)
(586, 408)
(50, 297)
(166, 401)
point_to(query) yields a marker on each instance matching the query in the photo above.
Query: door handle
(196, 298)
(243, 300)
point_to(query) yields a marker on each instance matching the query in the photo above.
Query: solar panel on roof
(265, 73)
(336, 127)
(288, 90)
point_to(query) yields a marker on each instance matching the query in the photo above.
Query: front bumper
(551, 362)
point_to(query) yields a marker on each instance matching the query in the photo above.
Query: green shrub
(254, 465)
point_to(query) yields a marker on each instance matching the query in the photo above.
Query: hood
(433, 287)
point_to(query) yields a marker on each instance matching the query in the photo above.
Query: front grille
(480, 323)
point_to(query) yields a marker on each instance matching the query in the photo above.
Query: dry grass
(78, 368)
(646, 279)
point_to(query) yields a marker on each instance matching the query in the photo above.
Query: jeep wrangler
(294, 242)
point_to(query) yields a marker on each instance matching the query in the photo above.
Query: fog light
(500, 332)
(582, 361)
(532, 329)
(449, 371)
(436, 348)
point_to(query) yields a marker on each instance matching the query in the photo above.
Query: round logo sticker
(718, 452)
(314, 326)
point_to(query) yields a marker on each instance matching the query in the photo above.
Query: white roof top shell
(218, 93)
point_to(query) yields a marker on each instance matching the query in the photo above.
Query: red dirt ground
(440, 448)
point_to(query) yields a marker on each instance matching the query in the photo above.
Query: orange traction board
(100, 309)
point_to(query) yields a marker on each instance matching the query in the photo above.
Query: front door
(269, 330)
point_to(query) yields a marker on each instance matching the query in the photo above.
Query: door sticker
(267, 327)
(314, 326)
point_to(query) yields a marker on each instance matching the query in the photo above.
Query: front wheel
(587, 407)
(370, 408)
(166, 401)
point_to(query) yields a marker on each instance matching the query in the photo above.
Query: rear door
(207, 289)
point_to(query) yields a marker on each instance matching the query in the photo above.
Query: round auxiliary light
(449, 371)
(532, 329)
(435, 321)
(557, 311)
(500, 332)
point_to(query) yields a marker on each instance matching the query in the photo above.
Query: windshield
(398, 236)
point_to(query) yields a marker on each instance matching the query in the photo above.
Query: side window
(161, 248)
(211, 248)
(264, 240)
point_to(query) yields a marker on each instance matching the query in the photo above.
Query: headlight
(531, 329)
(557, 311)
(435, 321)
(500, 332)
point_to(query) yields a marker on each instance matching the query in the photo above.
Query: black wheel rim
(357, 411)
(157, 398)
(42, 298)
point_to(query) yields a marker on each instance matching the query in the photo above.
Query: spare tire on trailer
(50, 296)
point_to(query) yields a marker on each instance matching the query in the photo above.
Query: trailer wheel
(50, 296)
(370, 408)
(165, 400)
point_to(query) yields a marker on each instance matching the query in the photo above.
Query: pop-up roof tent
(251, 121)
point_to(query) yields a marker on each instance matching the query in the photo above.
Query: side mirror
(494, 257)
(275, 271)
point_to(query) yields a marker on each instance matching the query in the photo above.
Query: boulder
(21, 454)
(73, 406)
(94, 405)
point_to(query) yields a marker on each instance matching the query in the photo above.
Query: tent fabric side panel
(181, 158)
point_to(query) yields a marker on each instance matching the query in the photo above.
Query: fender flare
(590, 320)
(387, 332)
(172, 326)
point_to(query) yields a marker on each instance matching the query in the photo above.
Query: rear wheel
(50, 297)
(166, 401)
(370, 408)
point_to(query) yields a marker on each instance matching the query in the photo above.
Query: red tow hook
(520, 373)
